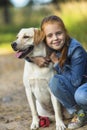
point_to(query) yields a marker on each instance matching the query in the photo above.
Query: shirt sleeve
(74, 71)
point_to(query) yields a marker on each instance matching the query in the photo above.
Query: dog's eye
(26, 37)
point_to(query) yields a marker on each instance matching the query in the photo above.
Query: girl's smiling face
(55, 35)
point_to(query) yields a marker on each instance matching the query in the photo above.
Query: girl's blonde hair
(55, 19)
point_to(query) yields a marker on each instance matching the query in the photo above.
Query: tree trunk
(6, 15)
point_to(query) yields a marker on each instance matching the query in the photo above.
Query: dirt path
(14, 110)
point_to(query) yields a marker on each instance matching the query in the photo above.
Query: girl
(69, 59)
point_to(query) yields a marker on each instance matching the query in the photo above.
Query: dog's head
(27, 39)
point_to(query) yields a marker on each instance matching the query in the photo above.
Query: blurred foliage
(22, 18)
(73, 14)
(4, 4)
(75, 17)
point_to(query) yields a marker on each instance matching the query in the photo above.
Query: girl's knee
(81, 95)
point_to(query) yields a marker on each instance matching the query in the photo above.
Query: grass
(73, 14)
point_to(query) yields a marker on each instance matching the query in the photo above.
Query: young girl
(69, 59)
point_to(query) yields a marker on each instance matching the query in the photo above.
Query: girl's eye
(49, 35)
(57, 33)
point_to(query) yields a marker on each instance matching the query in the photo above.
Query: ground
(15, 113)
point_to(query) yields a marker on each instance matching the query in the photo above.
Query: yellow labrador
(42, 101)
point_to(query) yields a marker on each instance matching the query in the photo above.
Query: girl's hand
(41, 61)
(54, 58)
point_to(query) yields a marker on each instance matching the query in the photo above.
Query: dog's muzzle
(20, 52)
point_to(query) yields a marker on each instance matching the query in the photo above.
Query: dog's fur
(42, 101)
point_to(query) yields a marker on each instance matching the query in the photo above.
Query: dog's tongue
(18, 54)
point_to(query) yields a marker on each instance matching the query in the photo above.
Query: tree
(5, 6)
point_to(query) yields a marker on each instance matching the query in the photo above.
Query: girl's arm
(75, 70)
(40, 61)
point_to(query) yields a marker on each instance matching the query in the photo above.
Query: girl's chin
(56, 47)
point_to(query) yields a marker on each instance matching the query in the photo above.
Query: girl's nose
(55, 37)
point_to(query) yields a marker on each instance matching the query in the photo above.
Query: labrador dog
(29, 43)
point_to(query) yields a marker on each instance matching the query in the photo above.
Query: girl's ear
(38, 36)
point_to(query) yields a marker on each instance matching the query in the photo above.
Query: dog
(29, 43)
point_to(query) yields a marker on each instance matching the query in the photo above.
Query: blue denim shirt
(75, 66)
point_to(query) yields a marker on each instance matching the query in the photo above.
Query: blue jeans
(81, 96)
(64, 92)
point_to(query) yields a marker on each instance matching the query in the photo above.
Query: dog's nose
(14, 44)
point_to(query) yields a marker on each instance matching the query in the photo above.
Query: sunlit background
(19, 3)
(17, 14)
(22, 3)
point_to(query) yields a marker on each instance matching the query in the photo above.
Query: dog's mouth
(23, 53)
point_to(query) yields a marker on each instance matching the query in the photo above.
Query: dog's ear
(38, 36)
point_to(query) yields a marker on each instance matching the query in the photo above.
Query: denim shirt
(75, 65)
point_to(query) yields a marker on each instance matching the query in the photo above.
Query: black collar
(28, 59)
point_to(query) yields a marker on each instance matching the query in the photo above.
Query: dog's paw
(35, 123)
(60, 126)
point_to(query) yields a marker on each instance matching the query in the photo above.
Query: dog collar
(28, 59)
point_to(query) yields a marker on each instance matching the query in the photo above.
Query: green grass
(74, 15)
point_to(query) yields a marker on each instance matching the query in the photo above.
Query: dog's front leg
(32, 103)
(58, 116)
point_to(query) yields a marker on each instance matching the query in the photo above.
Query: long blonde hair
(55, 19)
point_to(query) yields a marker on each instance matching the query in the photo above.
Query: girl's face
(55, 36)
